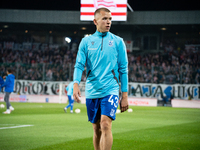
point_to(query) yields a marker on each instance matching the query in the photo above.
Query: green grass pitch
(146, 128)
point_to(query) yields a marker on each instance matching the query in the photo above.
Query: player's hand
(124, 102)
(76, 93)
(4, 77)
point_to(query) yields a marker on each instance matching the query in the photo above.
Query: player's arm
(1, 82)
(67, 88)
(123, 71)
(78, 70)
(6, 82)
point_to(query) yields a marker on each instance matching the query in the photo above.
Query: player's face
(103, 21)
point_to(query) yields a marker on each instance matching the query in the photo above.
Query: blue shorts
(102, 106)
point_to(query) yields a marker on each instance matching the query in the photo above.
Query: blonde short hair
(101, 9)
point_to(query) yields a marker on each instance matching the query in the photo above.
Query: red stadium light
(118, 9)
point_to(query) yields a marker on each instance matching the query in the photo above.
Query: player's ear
(95, 21)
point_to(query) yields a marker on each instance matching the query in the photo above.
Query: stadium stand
(169, 66)
(165, 44)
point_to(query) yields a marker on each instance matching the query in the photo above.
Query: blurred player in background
(105, 57)
(9, 87)
(69, 89)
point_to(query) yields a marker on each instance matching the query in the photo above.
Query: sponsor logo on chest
(110, 43)
(92, 48)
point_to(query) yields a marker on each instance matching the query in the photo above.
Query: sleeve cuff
(76, 82)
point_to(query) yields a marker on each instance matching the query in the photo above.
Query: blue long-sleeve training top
(105, 57)
(9, 83)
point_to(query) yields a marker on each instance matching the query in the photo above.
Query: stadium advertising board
(118, 9)
(14, 98)
(185, 104)
(29, 87)
(29, 46)
(133, 101)
(179, 91)
(36, 98)
(140, 94)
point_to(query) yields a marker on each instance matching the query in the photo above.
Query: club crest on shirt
(92, 42)
(110, 43)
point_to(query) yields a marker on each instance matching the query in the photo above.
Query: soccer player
(69, 89)
(9, 86)
(105, 57)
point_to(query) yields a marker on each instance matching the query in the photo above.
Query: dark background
(137, 5)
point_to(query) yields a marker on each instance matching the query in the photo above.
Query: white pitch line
(16, 127)
(7, 124)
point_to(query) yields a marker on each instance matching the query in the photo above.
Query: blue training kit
(69, 89)
(105, 57)
(9, 83)
(71, 102)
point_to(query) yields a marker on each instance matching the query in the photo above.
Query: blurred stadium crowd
(169, 66)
